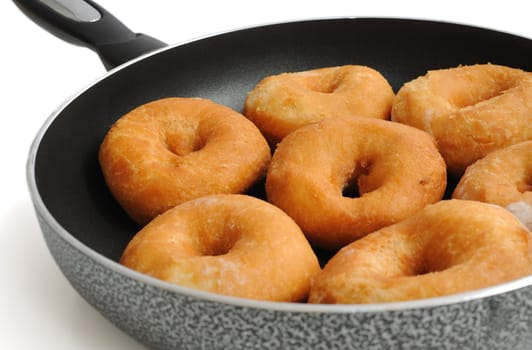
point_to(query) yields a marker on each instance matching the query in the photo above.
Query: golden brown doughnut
(281, 103)
(449, 247)
(175, 149)
(470, 110)
(396, 168)
(503, 177)
(234, 245)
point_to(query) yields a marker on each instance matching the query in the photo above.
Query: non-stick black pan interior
(224, 68)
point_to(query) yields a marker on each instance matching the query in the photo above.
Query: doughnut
(503, 177)
(281, 103)
(230, 244)
(449, 247)
(172, 150)
(470, 110)
(317, 170)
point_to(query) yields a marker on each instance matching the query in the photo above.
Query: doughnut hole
(354, 184)
(217, 240)
(440, 253)
(326, 83)
(182, 144)
(181, 134)
(351, 188)
(459, 88)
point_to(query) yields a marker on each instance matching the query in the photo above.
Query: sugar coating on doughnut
(233, 245)
(396, 169)
(503, 177)
(281, 103)
(523, 211)
(470, 110)
(449, 247)
(176, 149)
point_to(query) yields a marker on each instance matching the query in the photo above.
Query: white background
(38, 308)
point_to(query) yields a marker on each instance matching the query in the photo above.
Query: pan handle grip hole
(77, 10)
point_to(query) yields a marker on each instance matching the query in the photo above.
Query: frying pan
(86, 231)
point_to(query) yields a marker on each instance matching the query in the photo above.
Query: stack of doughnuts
(348, 169)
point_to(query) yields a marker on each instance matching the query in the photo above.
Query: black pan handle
(85, 23)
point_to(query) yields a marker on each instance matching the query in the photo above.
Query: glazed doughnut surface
(470, 110)
(503, 177)
(396, 169)
(228, 244)
(176, 149)
(281, 103)
(449, 247)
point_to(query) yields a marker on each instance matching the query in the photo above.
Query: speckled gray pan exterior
(165, 317)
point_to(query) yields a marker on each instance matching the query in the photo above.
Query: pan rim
(106, 262)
